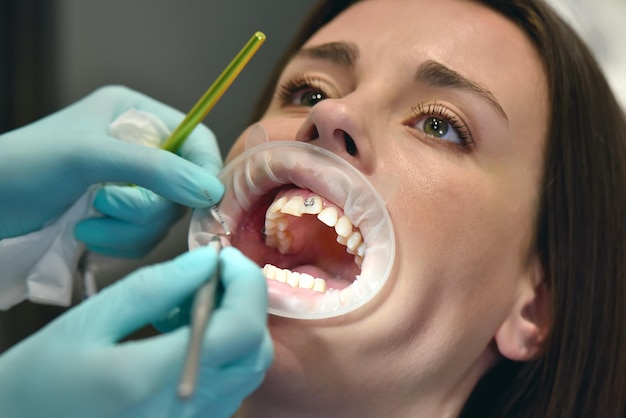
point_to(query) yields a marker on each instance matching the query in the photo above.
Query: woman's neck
(302, 399)
(264, 404)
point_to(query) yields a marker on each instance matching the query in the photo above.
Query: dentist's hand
(76, 366)
(47, 165)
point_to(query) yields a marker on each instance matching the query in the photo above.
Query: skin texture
(465, 289)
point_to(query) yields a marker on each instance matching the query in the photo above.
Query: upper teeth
(278, 236)
(329, 216)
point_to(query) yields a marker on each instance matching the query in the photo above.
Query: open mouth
(314, 223)
(302, 240)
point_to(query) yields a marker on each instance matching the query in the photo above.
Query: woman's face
(448, 98)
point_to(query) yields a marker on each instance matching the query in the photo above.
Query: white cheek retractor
(264, 167)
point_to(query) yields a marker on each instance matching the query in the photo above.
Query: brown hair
(580, 232)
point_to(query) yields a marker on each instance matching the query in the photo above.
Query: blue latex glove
(47, 165)
(75, 366)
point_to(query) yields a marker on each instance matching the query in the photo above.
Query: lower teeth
(294, 279)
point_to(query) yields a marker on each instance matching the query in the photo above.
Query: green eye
(310, 98)
(436, 127)
(437, 121)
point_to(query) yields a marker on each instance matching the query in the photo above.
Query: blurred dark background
(57, 51)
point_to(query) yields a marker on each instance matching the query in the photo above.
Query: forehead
(464, 35)
(442, 28)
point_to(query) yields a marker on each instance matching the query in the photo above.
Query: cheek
(459, 258)
(237, 148)
(456, 216)
(275, 129)
(460, 242)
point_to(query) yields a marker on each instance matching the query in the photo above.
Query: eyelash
(442, 112)
(286, 91)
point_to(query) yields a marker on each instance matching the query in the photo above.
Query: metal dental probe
(200, 314)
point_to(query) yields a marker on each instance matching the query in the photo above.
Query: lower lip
(283, 295)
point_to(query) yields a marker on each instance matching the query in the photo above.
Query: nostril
(310, 134)
(350, 144)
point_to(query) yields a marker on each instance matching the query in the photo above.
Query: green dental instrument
(199, 111)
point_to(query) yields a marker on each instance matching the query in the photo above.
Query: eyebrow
(430, 72)
(341, 53)
(438, 75)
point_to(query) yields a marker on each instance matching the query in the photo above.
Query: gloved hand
(47, 165)
(75, 367)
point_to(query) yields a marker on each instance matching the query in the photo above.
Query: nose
(335, 125)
